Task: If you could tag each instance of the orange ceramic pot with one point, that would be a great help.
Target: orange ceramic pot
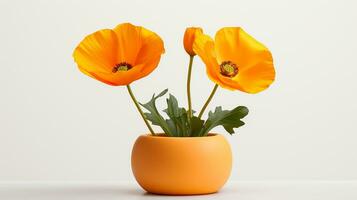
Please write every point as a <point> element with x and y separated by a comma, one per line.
<point>181,165</point>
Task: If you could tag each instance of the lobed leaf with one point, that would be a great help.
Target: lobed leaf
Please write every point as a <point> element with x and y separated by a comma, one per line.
<point>178,117</point>
<point>180,125</point>
<point>154,115</point>
<point>228,119</point>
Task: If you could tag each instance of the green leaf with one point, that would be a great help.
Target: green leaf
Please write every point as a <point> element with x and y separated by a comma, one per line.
<point>154,115</point>
<point>172,127</point>
<point>178,117</point>
<point>180,125</point>
<point>196,126</point>
<point>179,120</point>
<point>228,119</point>
<point>151,117</point>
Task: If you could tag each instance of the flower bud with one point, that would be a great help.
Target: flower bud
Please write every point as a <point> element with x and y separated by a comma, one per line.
<point>189,37</point>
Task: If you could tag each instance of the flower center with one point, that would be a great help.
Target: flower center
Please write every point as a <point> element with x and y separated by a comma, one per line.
<point>122,67</point>
<point>229,69</point>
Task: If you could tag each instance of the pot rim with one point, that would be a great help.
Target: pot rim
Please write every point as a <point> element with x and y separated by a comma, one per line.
<point>162,136</point>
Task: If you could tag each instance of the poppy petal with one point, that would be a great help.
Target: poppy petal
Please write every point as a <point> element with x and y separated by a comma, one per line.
<point>97,51</point>
<point>147,67</point>
<point>150,52</point>
<point>234,44</point>
<point>203,46</point>
<point>98,75</point>
<point>129,40</point>
<point>254,61</point>
<point>115,79</point>
<point>228,83</point>
<point>258,76</point>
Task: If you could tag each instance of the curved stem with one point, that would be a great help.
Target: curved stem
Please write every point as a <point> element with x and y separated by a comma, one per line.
<point>189,87</point>
<point>139,109</point>
<point>208,100</point>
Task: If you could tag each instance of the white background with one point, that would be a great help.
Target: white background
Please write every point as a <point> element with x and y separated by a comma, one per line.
<point>57,124</point>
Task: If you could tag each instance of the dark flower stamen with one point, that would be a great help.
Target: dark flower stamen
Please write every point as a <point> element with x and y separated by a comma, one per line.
<point>124,66</point>
<point>229,69</point>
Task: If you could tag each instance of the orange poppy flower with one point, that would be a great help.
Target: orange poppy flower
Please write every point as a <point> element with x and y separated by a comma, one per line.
<point>235,60</point>
<point>190,34</point>
<point>119,56</point>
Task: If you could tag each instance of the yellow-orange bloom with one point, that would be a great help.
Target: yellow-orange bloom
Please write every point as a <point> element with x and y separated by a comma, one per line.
<point>190,34</point>
<point>235,60</point>
<point>119,56</point>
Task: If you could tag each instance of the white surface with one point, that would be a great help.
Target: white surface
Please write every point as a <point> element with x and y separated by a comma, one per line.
<point>58,124</point>
<point>255,190</point>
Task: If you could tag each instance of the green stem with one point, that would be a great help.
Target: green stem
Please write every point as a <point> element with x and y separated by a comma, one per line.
<point>189,87</point>
<point>139,109</point>
<point>208,100</point>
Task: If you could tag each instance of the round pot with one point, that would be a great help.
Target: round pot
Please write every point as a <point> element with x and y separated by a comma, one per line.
<point>181,165</point>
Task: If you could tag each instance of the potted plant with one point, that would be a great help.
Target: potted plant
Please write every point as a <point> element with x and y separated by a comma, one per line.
<point>187,157</point>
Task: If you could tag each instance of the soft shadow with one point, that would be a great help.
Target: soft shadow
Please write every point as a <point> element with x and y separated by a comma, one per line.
<point>88,192</point>
<point>69,192</point>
